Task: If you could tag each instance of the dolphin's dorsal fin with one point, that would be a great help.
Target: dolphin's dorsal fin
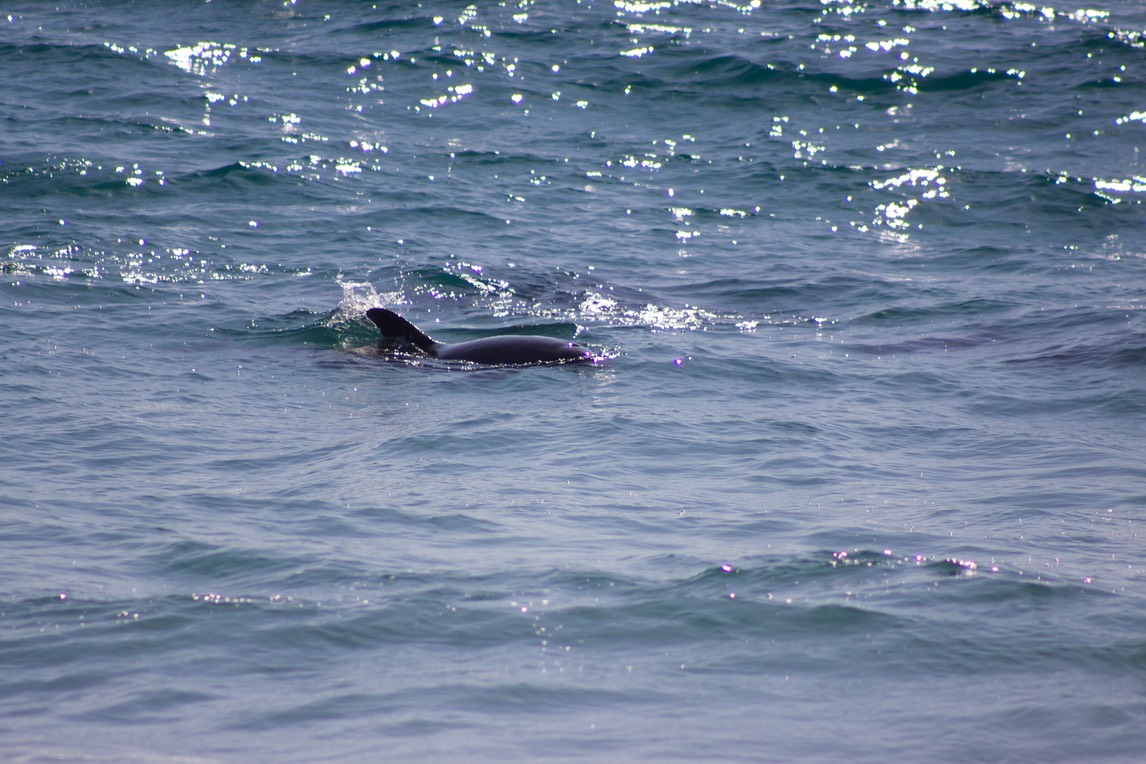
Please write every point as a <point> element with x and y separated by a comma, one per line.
<point>395,327</point>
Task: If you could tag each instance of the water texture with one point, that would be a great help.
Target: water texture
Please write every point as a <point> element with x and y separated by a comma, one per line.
<point>861,478</point>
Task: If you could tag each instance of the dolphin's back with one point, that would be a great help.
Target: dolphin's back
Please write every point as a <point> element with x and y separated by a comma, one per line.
<point>514,350</point>
<point>504,350</point>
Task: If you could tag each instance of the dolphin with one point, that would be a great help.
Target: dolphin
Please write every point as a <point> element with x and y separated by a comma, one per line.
<point>504,350</point>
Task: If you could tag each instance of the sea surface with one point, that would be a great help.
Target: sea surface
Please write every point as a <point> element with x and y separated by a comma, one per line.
<point>860,475</point>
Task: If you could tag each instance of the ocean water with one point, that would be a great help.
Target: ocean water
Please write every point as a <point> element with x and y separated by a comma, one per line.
<point>862,476</point>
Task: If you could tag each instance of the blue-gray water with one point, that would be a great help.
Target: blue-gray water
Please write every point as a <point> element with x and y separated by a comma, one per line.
<point>863,478</point>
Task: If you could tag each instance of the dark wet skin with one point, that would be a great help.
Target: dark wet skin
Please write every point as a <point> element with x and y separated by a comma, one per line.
<point>504,350</point>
